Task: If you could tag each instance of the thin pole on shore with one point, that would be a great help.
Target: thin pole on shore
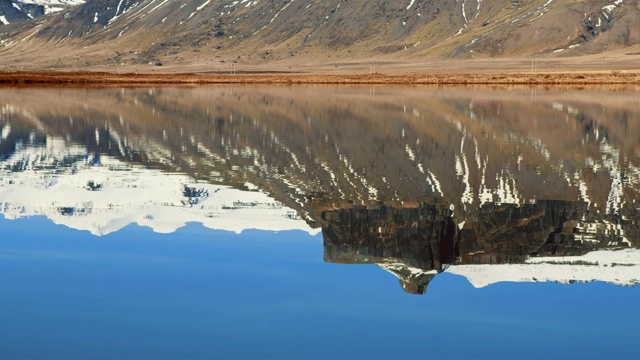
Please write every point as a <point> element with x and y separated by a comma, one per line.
<point>534,65</point>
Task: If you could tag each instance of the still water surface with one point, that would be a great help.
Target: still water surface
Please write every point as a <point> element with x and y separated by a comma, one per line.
<point>304,222</point>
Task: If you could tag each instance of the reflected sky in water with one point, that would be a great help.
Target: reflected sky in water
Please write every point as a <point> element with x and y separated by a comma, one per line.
<point>202,294</point>
<point>230,222</point>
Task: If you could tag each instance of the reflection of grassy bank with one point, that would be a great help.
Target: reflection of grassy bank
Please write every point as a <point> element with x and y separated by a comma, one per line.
<point>94,78</point>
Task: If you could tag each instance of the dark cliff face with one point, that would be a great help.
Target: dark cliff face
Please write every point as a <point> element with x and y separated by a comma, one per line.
<point>507,233</point>
<point>421,236</point>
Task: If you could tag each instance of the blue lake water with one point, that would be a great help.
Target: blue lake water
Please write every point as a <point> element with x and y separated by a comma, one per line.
<point>135,228</point>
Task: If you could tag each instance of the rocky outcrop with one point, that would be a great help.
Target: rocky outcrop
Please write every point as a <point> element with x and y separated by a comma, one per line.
<point>508,233</point>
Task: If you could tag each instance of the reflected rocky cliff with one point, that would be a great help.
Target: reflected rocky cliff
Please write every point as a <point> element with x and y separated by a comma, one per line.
<point>412,179</point>
<point>413,242</point>
<point>416,241</point>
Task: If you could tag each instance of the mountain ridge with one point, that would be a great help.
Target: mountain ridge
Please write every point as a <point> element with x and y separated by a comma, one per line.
<point>289,32</point>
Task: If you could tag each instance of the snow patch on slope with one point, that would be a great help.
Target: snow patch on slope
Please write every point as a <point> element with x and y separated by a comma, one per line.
<point>52,6</point>
<point>54,2</point>
<point>620,267</point>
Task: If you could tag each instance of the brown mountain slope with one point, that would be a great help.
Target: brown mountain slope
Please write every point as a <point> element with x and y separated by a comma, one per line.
<point>213,34</point>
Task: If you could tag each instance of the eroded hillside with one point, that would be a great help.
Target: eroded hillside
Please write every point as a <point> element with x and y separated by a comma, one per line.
<point>214,33</point>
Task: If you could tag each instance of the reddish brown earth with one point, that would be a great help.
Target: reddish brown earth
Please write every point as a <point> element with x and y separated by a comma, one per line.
<point>26,78</point>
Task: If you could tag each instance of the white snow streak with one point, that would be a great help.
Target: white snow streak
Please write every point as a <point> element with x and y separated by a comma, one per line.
<point>618,267</point>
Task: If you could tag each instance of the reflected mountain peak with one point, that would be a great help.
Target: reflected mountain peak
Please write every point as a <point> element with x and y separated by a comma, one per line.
<point>413,280</point>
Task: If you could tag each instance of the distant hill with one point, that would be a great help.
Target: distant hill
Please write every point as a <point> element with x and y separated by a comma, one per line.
<point>39,32</point>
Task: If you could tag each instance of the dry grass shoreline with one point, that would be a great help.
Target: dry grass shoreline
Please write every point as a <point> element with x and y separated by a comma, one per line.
<point>35,78</point>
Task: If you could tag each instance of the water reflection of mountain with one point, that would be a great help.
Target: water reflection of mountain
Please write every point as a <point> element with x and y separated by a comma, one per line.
<point>557,172</point>
<point>103,195</point>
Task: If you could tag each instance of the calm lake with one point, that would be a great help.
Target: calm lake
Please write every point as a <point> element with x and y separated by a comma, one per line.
<point>319,222</point>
